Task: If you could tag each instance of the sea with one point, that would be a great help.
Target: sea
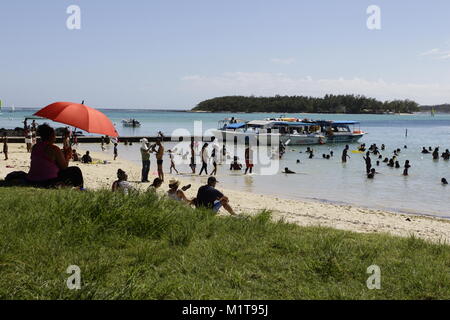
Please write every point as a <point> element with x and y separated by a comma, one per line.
<point>316,179</point>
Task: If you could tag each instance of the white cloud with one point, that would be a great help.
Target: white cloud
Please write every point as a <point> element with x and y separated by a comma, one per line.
<point>446,56</point>
<point>269,84</point>
<point>283,61</point>
<point>430,52</point>
<point>437,53</point>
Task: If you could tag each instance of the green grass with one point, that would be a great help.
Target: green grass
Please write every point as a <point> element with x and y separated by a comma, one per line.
<point>143,247</point>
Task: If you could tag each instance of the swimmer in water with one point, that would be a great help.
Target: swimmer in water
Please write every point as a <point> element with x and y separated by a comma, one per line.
<point>371,174</point>
<point>444,181</point>
<point>391,163</point>
<point>287,171</point>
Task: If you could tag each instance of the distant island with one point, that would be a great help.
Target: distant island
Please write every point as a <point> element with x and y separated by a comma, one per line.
<point>301,104</point>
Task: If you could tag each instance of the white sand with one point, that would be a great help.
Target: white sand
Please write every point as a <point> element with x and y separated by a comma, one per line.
<point>303,213</point>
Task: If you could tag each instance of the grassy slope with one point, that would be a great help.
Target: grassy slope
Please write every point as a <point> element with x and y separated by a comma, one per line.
<point>145,248</point>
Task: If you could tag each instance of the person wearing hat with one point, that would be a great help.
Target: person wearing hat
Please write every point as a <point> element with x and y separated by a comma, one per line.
<point>209,197</point>
<point>145,154</point>
<point>175,193</point>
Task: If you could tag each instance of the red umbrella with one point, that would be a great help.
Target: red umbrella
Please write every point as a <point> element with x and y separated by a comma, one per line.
<point>79,116</point>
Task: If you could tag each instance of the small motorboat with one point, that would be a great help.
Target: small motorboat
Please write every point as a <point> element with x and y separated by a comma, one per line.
<point>132,123</point>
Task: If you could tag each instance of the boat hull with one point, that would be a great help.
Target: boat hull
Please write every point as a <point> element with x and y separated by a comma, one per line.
<point>302,140</point>
<point>294,140</point>
<point>344,138</point>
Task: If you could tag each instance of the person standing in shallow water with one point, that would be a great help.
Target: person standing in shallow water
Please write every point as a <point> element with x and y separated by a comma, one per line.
<point>368,162</point>
<point>345,154</point>
<point>436,154</point>
<point>248,160</point>
<point>407,166</point>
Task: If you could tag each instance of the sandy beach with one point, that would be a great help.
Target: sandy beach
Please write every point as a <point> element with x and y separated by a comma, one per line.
<point>304,213</point>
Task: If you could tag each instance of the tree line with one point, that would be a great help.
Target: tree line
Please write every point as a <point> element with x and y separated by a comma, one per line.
<point>302,104</point>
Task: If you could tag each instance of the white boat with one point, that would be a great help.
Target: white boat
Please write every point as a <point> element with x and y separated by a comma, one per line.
<point>287,132</point>
<point>341,131</point>
<point>133,123</point>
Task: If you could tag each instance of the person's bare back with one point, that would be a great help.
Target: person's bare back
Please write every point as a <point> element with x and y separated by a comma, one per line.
<point>160,153</point>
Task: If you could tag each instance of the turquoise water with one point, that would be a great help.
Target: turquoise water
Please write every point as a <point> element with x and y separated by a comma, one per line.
<point>328,180</point>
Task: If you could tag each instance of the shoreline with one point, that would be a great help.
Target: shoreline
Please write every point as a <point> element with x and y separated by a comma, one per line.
<point>306,212</point>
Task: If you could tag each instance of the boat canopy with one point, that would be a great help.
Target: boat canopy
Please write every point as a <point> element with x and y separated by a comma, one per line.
<point>235,125</point>
<point>258,123</point>
<point>343,123</point>
<point>294,124</point>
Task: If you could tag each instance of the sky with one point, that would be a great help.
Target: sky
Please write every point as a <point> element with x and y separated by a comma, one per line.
<point>167,54</point>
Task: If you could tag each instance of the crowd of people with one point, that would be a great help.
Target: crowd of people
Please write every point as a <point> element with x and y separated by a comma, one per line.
<point>50,167</point>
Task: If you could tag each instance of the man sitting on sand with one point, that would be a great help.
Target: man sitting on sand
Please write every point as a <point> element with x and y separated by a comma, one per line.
<point>211,198</point>
<point>86,158</point>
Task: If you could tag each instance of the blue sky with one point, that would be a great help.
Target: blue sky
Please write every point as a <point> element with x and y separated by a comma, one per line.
<point>174,54</point>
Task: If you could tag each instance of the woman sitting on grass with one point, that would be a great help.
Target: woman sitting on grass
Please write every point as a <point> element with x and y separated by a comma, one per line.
<point>122,185</point>
<point>49,167</point>
<point>175,193</point>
